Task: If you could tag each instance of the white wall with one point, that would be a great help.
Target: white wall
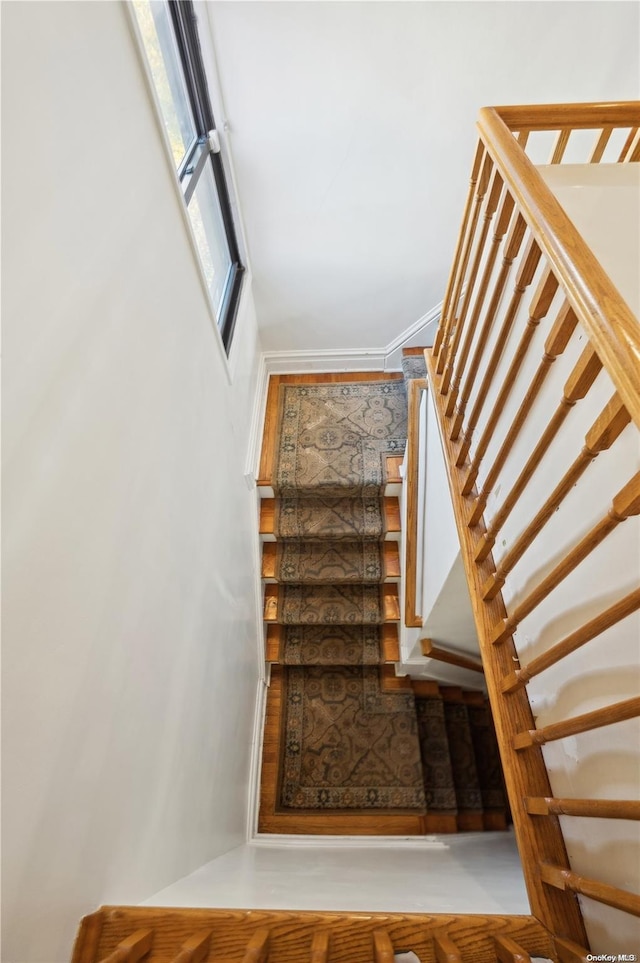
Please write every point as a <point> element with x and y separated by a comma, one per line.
<point>352,128</point>
<point>129,662</point>
<point>475,873</point>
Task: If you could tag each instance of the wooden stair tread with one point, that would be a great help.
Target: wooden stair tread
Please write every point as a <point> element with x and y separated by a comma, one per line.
<point>390,512</point>
<point>390,557</point>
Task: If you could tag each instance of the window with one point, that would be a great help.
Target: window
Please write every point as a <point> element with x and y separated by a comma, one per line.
<point>169,34</point>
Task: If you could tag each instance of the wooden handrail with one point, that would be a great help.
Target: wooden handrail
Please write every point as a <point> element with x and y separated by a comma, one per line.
<point>581,116</point>
<point>593,808</point>
<point>565,879</point>
<point>411,616</point>
<point>607,716</point>
<point>611,325</point>
<point>431,651</point>
<point>590,630</point>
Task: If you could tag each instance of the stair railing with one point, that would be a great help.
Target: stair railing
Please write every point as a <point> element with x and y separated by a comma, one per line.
<point>506,424</point>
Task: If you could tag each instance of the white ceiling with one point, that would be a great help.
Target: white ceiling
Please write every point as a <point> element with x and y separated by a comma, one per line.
<point>351,127</point>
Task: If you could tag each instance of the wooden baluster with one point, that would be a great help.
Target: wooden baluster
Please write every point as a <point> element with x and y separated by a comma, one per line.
<point>625,504</point>
<point>540,305</point>
<point>608,716</point>
<point>628,145</point>
<point>431,651</point>
<point>446,950</point>
<point>602,434</point>
<point>131,949</point>
<point>320,947</point>
<point>195,949</point>
<point>461,327</point>
<point>590,630</point>
<point>523,280</point>
<point>512,248</point>
<point>565,879</point>
<point>382,947</point>
<point>450,344</point>
<point>560,145</point>
<point>85,947</point>
<point>257,950</point>
<point>569,952</point>
<point>448,308</point>
<point>633,155</point>
<point>600,145</point>
<point>522,138</point>
<point>591,808</point>
<point>508,951</point>
<point>576,387</point>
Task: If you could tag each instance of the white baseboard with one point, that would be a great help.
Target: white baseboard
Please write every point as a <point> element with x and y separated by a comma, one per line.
<point>255,760</point>
<point>282,840</point>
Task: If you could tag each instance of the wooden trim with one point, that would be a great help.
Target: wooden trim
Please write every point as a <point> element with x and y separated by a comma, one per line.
<point>537,839</point>
<point>270,430</point>
<point>316,822</point>
<point>390,514</point>
<point>611,326</point>
<point>584,116</point>
<point>131,948</point>
<point>411,617</point>
<point>431,651</point>
<point>85,947</point>
<point>508,951</point>
<point>195,949</point>
<point>297,937</point>
<point>607,716</point>
<point>389,642</point>
<point>389,552</point>
<point>592,808</point>
<point>569,952</point>
<point>568,881</point>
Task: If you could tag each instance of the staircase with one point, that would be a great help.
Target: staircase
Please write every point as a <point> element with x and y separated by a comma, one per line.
<point>127,934</point>
<point>345,738</point>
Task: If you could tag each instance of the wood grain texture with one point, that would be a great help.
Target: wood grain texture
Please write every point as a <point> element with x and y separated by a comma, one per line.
<point>195,949</point>
<point>293,935</point>
<point>432,651</point>
<point>132,948</point>
<point>625,504</point>
<point>611,326</point>
<point>412,548</point>
<point>585,633</point>
<point>85,947</point>
<point>444,328</point>
<point>445,949</point>
<point>508,951</point>
<point>557,910</point>
<point>607,716</point>
<point>592,808</point>
<point>584,116</point>
<point>569,952</point>
<point>568,881</point>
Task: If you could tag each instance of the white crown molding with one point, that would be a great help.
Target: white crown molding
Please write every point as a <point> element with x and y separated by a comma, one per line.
<point>387,358</point>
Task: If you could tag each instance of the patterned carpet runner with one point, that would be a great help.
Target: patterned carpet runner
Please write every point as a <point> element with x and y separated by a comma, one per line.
<point>350,744</point>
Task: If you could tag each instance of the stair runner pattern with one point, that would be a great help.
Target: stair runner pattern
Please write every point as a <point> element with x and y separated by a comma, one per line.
<point>348,743</point>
